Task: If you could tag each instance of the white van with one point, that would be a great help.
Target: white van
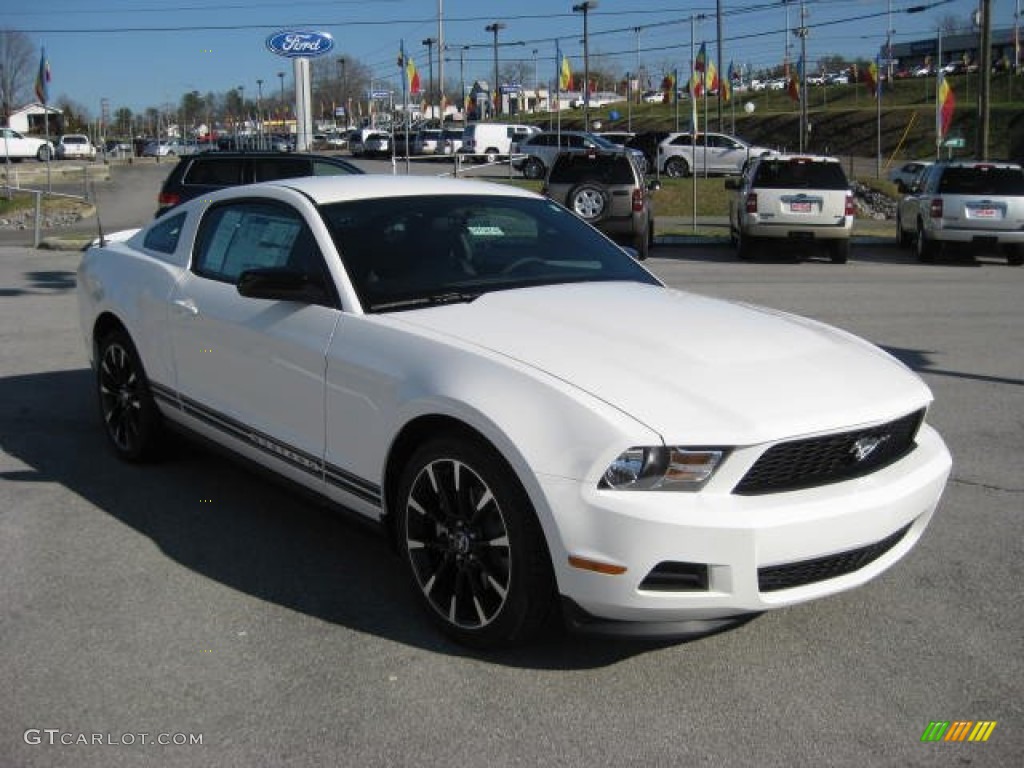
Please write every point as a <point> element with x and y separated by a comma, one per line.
<point>491,141</point>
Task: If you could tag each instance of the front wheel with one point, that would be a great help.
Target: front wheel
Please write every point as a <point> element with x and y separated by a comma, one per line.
<point>472,544</point>
<point>43,154</point>
<point>677,168</point>
<point>533,169</point>
<point>130,415</point>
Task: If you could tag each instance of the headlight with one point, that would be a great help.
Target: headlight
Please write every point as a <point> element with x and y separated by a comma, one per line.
<point>662,468</point>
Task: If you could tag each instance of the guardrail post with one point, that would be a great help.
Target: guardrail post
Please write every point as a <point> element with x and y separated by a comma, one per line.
<point>85,182</point>
<point>39,219</point>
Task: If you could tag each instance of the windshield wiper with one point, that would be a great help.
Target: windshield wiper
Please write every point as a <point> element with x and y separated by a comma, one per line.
<point>433,300</point>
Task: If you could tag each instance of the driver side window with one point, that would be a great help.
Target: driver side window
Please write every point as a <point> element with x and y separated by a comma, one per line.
<point>253,234</point>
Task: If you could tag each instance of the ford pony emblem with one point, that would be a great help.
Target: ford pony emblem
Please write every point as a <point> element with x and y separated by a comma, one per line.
<point>866,446</point>
<point>300,43</point>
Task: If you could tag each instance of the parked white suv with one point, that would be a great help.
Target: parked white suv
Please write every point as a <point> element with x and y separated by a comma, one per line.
<point>681,154</point>
<point>792,198</point>
<point>976,205</point>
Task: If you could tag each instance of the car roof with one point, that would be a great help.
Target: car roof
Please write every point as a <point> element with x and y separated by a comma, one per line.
<point>804,157</point>
<point>967,163</point>
<point>335,189</point>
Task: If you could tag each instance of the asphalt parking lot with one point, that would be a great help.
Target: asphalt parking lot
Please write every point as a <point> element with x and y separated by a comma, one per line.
<point>195,598</point>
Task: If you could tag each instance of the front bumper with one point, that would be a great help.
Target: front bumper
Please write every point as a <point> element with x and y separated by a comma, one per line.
<point>742,541</point>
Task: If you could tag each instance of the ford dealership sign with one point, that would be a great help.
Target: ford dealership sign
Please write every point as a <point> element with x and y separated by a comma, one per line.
<point>295,43</point>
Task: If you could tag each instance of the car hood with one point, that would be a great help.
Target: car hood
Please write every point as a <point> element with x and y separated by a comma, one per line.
<point>689,367</point>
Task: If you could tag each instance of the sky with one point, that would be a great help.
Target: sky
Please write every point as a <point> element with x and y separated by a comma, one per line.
<point>145,53</point>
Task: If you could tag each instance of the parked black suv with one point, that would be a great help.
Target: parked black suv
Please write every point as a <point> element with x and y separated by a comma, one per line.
<point>609,191</point>
<point>197,175</point>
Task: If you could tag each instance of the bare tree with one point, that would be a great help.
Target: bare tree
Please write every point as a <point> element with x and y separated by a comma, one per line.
<point>16,51</point>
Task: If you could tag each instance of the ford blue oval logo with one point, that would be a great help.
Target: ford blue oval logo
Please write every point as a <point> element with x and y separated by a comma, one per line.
<point>295,43</point>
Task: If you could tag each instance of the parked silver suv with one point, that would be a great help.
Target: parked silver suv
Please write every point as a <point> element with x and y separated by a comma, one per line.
<point>799,199</point>
<point>609,191</point>
<point>965,203</point>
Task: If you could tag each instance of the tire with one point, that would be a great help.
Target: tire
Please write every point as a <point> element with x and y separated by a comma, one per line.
<point>839,251</point>
<point>925,249</point>
<point>43,155</point>
<point>589,201</point>
<point>677,168</point>
<point>744,246</point>
<point>903,239</point>
<point>642,242</point>
<point>533,168</point>
<point>491,156</point>
<point>472,544</point>
<point>1015,255</point>
<point>130,417</point>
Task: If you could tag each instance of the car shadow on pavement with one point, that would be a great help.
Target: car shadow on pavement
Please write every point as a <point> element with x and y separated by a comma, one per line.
<point>232,525</point>
<point>46,281</point>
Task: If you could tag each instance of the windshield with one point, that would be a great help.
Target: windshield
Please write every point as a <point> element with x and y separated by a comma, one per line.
<point>601,141</point>
<point>409,252</point>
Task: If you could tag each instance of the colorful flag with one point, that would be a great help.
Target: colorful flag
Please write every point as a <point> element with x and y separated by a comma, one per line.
<point>412,76</point>
<point>871,78</point>
<point>696,86</point>
<point>43,79</point>
<point>947,103</point>
<point>668,86</point>
<point>712,77</point>
<point>700,63</point>
<point>730,75</point>
<point>565,75</point>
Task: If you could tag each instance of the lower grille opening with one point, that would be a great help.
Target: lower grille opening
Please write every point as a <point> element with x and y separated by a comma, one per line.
<point>776,577</point>
<point>669,576</point>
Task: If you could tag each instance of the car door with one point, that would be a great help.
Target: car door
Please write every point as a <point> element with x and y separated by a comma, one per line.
<point>725,154</point>
<point>254,368</point>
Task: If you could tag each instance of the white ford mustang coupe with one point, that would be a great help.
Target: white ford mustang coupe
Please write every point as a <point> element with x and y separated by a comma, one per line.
<point>542,427</point>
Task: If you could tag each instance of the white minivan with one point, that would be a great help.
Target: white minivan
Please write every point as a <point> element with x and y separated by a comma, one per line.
<point>491,141</point>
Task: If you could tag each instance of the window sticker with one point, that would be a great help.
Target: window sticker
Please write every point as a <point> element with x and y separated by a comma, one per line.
<point>485,231</point>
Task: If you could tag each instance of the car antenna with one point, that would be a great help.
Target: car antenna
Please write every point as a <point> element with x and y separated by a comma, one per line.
<point>99,223</point>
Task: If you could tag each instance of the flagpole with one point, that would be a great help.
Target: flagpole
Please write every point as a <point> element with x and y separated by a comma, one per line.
<point>704,93</point>
<point>878,119</point>
<point>938,106</point>
<point>558,91</point>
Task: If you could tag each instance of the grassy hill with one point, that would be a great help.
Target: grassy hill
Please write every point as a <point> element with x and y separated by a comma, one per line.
<point>844,118</point>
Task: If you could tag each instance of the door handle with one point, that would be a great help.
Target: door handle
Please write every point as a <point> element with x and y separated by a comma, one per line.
<point>186,307</point>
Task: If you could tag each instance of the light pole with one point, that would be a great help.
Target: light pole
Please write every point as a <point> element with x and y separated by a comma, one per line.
<point>536,84</point>
<point>585,9</point>
<point>241,103</point>
<point>802,34</point>
<point>495,28</point>
<point>259,110</point>
<point>344,90</point>
<point>429,42</point>
<point>284,111</point>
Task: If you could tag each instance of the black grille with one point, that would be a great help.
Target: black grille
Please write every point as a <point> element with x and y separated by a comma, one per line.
<point>791,575</point>
<point>830,459</point>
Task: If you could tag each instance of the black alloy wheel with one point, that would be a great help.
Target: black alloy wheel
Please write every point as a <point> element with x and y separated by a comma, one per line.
<point>473,545</point>
<point>130,416</point>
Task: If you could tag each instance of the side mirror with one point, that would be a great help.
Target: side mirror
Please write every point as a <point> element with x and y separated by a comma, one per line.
<point>281,284</point>
<point>653,185</point>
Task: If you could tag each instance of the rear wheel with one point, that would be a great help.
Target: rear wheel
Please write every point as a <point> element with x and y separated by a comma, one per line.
<point>839,251</point>
<point>1015,255</point>
<point>744,246</point>
<point>677,167</point>
<point>642,242</point>
<point>491,155</point>
<point>924,247</point>
<point>904,239</point>
<point>43,154</point>
<point>472,544</point>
